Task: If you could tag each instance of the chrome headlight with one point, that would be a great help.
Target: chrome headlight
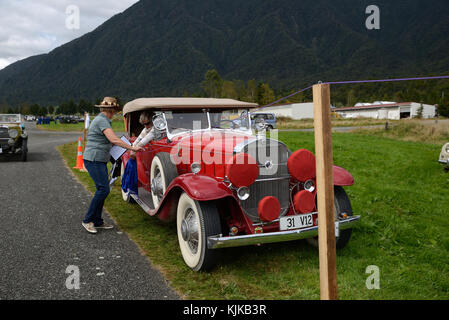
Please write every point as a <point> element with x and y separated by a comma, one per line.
<point>13,133</point>
<point>243,193</point>
<point>447,148</point>
<point>195,167</point>
<point>24,135</point>
<point>159,123</point>
<point>309,185</point>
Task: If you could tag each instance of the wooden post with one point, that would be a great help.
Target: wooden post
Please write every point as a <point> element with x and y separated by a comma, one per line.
<point>325,192</point>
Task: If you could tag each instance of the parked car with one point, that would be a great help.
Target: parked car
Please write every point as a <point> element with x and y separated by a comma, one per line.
<point>13,135</point>
<point>444,156</point>
<point>68,119</point>
<point>225,185</point>
<point>268,118</point>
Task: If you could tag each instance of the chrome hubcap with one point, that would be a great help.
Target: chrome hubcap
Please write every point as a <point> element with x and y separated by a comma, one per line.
<point>156,184</point>
<point>189,230</point>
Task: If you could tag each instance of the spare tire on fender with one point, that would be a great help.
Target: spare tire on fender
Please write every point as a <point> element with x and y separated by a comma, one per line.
<point>163,171</point>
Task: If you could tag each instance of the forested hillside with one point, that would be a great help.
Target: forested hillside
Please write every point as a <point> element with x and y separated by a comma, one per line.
<point>165,48</point>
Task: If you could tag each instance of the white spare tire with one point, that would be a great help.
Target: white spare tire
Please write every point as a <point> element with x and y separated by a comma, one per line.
<point>162,173</point>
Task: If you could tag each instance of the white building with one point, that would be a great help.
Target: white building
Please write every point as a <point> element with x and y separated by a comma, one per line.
<point>295,111</point>
<point>387,110</point>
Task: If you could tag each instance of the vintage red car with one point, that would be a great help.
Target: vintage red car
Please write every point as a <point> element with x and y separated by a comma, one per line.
<point>223,184</point>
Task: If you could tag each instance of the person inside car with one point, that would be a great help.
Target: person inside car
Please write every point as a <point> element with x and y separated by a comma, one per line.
<point>148,133</point>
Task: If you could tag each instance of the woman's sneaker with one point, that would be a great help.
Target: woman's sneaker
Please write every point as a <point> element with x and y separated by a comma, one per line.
<point>105,226</point>
<point>89,227</point>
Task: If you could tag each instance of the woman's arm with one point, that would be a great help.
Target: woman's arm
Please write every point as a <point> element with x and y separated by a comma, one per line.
<point>109,133</point>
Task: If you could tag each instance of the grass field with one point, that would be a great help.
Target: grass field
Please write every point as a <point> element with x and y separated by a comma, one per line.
<point>402,194</point>
<point>117,125</point>
<point>430,131</point>
<point>289,123</point>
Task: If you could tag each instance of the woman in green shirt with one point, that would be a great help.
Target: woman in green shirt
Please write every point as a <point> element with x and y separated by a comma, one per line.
<point>100,139</point>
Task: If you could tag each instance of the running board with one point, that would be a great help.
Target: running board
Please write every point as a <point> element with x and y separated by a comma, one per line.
<point>144,200</point>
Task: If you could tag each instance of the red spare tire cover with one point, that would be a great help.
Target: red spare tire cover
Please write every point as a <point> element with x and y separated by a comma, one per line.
<point>302,165</point>
<point>269,209</point>
<point>242,170</point>
<point>304,202</point>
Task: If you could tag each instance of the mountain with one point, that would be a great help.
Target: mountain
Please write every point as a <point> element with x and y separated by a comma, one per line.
<point>164,48</point>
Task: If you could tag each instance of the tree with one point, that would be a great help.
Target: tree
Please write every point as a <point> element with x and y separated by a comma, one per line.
<point>43,111</point>
<point>212,84</point>
<point>25,109</point>
<point>34,109</point>
<point>228,90</point>
<point>265,94</point>
<point>252,91</point>
<point>240,89</point>
<point>351,101</point>
<point>51,110</point>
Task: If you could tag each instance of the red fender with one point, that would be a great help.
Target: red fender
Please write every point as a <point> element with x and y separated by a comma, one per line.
<point>342,177</point>
<point>198,187</point>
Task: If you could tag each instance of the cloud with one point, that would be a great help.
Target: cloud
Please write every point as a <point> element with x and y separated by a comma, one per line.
<point>31,27</point>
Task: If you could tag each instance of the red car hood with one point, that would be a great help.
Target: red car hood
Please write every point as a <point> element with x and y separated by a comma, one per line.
<point>215,140</point>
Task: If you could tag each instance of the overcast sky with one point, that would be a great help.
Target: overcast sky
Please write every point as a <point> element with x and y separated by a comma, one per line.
<point>31,27</point>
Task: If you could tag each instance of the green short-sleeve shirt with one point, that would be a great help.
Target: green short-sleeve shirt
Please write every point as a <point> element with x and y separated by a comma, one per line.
<point>98,146</point>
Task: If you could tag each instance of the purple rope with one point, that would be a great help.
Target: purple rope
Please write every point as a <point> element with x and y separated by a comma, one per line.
<point>284,98</point>
<point>356,81</point>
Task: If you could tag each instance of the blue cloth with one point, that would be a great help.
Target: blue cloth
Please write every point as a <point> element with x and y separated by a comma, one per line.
<point>129,179</point>
<point>98,171</point>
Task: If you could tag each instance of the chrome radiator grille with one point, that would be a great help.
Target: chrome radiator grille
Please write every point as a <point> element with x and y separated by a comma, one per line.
<point>273,180</point>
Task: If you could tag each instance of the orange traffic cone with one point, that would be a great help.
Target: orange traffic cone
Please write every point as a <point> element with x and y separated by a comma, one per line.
<point>79,158</point>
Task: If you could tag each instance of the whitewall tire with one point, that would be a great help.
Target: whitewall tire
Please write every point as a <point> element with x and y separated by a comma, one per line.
<point>195,222</point>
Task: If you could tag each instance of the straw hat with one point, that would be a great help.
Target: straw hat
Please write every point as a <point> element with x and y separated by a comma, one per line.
<point>108,102</point>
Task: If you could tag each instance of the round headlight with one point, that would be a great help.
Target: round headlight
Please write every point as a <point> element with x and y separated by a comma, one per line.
<point>309,185</point>
<point>159,123</point>
<point>13,133</point>
<point>243,193</point>
<point>195,167</point>
<point>447,148</point>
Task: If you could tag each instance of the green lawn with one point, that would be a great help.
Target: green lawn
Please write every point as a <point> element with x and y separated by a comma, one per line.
<point>402,194</point>
<point>117,125</point>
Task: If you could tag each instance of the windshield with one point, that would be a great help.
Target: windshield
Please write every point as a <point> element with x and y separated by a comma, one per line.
<point>230,119</point>
<point>10,118</point>
<point>178,121</point>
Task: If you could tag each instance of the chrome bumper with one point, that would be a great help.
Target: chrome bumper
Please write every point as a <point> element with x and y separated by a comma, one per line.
<point>218,242</point>
<point>444,162</point>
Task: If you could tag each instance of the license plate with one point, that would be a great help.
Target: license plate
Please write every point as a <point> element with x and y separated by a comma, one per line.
<point>296,222</point>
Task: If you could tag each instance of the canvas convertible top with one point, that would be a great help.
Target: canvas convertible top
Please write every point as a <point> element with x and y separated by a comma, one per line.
<point>184,103</point>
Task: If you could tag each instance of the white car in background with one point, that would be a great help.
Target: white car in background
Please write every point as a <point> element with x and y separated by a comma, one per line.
<point>444,156</point>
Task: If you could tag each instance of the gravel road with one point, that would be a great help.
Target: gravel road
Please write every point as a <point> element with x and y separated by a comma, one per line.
<point>42,242</point>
